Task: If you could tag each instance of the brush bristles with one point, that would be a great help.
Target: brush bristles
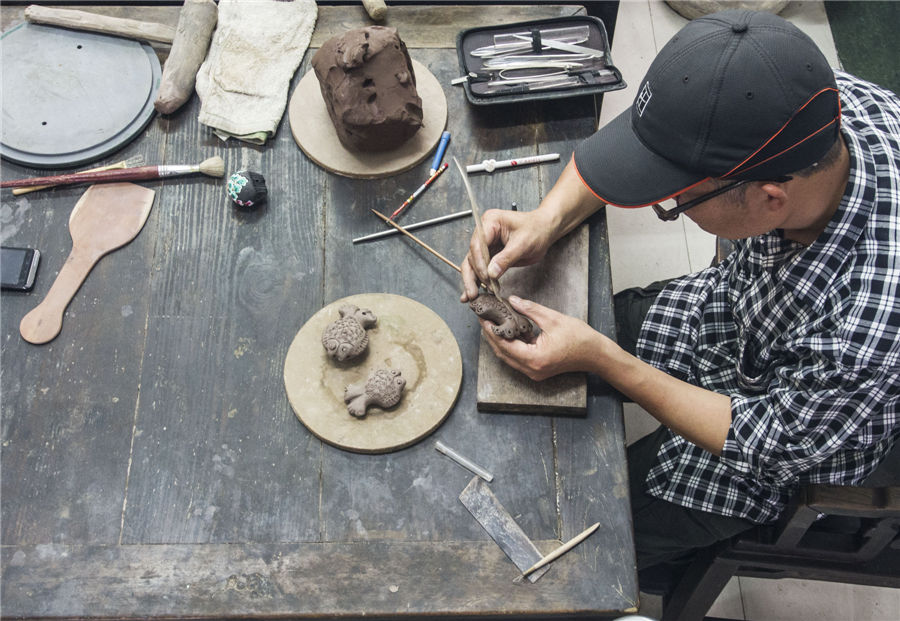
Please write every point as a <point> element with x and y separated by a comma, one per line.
<point>214,167</point>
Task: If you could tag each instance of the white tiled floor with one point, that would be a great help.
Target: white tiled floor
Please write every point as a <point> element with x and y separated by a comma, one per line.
<point>644,249</point>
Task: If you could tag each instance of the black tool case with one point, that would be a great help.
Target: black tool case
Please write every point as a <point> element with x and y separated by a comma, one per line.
<point>485,87</point>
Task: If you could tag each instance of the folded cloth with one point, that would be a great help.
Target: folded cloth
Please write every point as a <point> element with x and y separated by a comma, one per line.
<point>257,47</point>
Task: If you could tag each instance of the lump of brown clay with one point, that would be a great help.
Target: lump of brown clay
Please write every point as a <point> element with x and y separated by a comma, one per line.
<point>367,81</point>
<point>508,324</point>
<point>346,338</point>
<point>383,388</point>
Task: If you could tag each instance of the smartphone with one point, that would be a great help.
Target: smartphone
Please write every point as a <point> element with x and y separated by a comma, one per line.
<point>18,267</point>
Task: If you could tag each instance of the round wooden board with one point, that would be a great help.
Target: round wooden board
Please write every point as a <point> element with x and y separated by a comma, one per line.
<point>315,134</point>
<point>409,337</point>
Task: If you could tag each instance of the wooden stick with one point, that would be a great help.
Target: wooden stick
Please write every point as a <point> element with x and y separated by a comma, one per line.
<point>571,543</point>
<point>417,240</point>
<point>34,188</point>
<point>94,22</point>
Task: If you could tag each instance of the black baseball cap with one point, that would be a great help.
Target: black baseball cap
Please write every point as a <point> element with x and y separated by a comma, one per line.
<point>734,95</point>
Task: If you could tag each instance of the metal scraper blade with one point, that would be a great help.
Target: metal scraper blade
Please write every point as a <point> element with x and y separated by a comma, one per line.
<point>484,507</point>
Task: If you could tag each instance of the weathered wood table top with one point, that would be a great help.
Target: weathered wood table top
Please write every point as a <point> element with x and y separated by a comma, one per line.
<point>152,465</point>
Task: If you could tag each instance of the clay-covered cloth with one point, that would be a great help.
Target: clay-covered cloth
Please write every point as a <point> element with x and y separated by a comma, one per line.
<point>257,47</point>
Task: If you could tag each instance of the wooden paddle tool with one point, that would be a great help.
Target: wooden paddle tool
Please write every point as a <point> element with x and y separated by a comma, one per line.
<point>106,217</point>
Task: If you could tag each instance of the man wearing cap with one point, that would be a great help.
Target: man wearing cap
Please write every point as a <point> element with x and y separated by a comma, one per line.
<point>780,366</point>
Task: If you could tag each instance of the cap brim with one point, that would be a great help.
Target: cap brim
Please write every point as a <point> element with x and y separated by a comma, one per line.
<point>621,171</point>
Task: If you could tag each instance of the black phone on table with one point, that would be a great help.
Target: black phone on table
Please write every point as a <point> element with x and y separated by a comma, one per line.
<point>18,267</point>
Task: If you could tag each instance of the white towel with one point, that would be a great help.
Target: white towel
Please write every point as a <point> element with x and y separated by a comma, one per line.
<point>257,47</point>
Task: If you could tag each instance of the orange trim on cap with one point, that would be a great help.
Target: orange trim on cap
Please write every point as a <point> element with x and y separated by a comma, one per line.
<point>673,195</point>
<point>775,135</point>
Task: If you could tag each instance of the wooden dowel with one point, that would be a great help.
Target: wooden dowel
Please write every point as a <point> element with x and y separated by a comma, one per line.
<point>417,240</point>
<point>574,541</point>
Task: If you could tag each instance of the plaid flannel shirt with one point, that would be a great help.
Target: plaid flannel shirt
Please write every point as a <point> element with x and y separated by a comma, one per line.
<point>804,339</point>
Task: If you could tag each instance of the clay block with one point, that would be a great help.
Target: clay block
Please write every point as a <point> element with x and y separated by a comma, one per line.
<point>369,87</point>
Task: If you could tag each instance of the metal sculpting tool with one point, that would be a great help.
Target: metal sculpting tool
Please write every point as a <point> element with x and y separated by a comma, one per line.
<point>414,226</point>
<point>484,507</point>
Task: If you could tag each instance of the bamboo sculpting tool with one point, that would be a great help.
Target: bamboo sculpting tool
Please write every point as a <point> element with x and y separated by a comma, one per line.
<point>212,167</point>
<point>493,285</point>
<point>105,218</point>
<point>571,543</point>
<point>400,229</point>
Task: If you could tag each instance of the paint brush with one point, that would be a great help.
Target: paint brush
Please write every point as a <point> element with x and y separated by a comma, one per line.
<point>213,167</point>
<point>135,160</point>
<point>417,240</point>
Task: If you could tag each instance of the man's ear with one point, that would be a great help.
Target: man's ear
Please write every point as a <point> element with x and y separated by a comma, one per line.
<point>776,195</point>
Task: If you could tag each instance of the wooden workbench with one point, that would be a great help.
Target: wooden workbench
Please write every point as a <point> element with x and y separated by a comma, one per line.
<point>152,466</point>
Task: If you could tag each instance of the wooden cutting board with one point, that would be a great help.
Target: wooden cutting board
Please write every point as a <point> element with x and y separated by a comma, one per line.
<point>105,218</point>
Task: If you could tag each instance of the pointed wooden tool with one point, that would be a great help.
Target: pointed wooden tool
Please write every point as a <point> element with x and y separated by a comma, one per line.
<point>106,217</point>
<point>493,285</point>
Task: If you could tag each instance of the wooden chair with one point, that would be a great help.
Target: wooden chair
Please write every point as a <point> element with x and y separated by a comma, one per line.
<point>832,533</point>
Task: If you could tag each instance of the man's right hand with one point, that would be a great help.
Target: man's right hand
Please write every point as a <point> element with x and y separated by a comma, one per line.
<point>513,238</point>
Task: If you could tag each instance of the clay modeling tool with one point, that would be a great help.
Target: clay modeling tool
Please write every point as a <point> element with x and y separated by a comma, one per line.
<point>465,462</point>
<point>82,20</point>
<point>213,167</point>
<point>106,217</point>
<point>414,226</point>
<point>571,543</point>
<point>493,285</point>
<point>131,161</point>
<point>418,192</point>
<point>484,507</point>
<point>196,23</point>
<point>439,154</point>
<point>492,165</point>
<point>417,240</point>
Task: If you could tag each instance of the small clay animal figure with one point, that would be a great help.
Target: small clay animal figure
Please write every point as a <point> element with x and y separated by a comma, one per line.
<point>383,388</point>
<point>346,338</point>
<point>508,323</point>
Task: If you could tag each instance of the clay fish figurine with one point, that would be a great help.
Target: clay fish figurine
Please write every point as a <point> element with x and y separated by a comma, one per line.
<point>346,338</point>
<point>508,324</point>
<point>383,388</point>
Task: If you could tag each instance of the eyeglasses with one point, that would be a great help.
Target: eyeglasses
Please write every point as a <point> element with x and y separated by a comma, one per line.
<point>668,215</point>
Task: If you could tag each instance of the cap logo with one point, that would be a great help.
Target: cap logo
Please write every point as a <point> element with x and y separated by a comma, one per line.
<point>643,99</point>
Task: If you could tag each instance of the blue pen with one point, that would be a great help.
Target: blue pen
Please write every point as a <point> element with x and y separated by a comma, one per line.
<point>439,154</point>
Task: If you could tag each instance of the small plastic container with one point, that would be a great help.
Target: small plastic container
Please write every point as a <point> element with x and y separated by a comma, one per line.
<point>585,69</point>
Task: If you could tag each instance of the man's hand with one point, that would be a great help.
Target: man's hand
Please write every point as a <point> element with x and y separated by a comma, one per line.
<point>564,344</point>
<point>513,238</point>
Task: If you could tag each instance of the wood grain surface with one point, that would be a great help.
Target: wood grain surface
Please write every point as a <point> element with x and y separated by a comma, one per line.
<point>152,465</point>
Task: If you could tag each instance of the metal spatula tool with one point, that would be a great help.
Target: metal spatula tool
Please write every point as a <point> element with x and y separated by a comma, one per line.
<point>499,524</point>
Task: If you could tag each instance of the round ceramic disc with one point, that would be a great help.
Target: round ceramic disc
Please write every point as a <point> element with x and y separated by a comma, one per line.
<point>408,336</point>
<point>315,133</point>
<point>71,97</point>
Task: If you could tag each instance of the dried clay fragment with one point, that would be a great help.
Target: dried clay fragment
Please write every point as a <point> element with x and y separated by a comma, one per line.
<point>346,338</point>
<point>383,388</point>
<point>508,324</point>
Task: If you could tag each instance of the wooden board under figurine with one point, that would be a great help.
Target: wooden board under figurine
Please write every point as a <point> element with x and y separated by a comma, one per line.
<point>315,134</point>
<point>407,336</point>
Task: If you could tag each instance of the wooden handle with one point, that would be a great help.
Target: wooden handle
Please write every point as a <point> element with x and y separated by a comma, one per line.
<point>82,20</point>
<point>376,9</point>
<point>140,173</point>
<point>44,322</point>
<point>196,23</point>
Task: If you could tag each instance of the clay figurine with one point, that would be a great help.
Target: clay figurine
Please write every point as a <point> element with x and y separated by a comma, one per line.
<point>246,188</point>
<point>346,338</point>
<point>508,323</point>
<point>383,388</point>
